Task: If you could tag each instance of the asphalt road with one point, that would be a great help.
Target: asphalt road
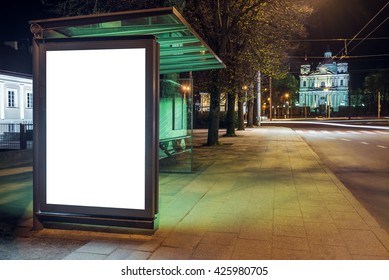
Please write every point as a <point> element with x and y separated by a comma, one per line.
<point>358,153</point>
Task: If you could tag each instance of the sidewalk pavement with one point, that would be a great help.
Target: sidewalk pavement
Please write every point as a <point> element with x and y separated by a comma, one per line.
<point>261,195</point>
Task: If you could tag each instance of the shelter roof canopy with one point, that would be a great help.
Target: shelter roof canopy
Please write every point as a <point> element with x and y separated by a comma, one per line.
<point>181,48</point>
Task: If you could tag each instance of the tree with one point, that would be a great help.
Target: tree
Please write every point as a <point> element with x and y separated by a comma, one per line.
<point>289,84</point>
<point>377,85</point>
<point>285,91</point>
<point>249,36</point>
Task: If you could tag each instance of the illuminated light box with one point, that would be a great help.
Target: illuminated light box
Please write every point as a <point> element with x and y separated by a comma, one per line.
<point>96,125</point>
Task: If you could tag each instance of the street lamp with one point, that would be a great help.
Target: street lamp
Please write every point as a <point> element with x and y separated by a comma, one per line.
<point>185,90</point>
<point>328,109</point>
<point>289,104</point>
<point>245,109</point>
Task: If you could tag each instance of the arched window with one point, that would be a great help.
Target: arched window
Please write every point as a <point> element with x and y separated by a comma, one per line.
<point>323,84</point>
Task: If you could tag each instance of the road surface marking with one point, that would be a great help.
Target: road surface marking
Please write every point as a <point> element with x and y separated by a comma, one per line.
<point>353,132</point>
<point>332,138</point>
<point>383,147</point>
<point>340,132</point>
<point>381,132</point>
<point>367,132</point>
<point>325,131</point>
<point>299,131</point>
<point>344,139</point>
<point>312,131</point>
<point>364,143</point>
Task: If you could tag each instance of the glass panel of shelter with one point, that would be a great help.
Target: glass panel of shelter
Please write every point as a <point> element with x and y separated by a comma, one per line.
<point>175,131</point>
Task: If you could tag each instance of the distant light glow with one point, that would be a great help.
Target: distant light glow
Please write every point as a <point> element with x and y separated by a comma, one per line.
<point>330,123</point>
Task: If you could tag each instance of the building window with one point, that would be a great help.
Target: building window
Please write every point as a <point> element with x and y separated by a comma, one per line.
<point>11,99</point>
<point>341,82</point>
<point>304,84</point>
<point>29,100</point>
<point>323,84</point>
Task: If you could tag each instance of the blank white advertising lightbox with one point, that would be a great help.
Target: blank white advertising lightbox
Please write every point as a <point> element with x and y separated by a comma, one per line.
<point>95,128</point>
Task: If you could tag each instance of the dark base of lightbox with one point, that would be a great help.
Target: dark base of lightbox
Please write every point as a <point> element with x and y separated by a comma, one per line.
<point>103,224</point>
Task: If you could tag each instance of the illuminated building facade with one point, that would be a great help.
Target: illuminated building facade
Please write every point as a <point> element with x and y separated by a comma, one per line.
<point>16,99</point>
<point>326,87</point>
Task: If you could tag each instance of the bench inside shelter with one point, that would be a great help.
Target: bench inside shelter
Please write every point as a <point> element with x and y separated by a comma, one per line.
<point>170,147</point>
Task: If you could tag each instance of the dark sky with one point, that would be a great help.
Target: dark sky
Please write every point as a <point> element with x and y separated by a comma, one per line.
<point>345,18</point>
<point>14,17</point>
<point>333,19</point>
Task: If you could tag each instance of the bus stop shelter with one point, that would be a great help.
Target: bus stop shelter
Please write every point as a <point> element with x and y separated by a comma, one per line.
<point>111,106</point>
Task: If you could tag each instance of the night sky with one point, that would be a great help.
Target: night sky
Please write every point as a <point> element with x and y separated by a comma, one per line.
<point>14,17</point>
<point>333,19</point>
<point>336,19</point>
<point>343,19</point>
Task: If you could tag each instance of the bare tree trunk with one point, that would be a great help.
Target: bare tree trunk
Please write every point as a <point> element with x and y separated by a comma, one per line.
<point>231,114</point>
<point>240,113</point>
<point>214,113</point>
<point>250,112</point>
<point>255,112</point>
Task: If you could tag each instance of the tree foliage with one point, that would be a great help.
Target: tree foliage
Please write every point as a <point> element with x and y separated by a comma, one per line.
<point>86,7</point>
<point>374,84</point>
<point>287,85</point>
<point>249,36</point>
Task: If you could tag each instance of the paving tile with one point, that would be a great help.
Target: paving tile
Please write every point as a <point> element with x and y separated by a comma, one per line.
<point>368,257</point>
<point>288,254</point>
<point>257,230</point>
<point>182,240</point>
<point>324,233</point>
<point>247,249</point>
<point>366,216</point>
<point>226,223</point>
<point>288,220</point>
<point>286,202</point>
<point>259,210</point>
<point>98,247</point>
<point>32,248</point>
<point>132,244</point>
<point>125,254</point>
<point>119,254</point>
<point>219,238</point>
<point>289,230</point>
<point>339,207</point>
<point>288,212</point>
<point>310,201</point>
<point>328,252</point>
<point>316,214</point>
<point>170,253</point>
<point>139,255</point>
<point>150,246</point>
<point>292,243</point>
<point>382,235</point>
<point>84,256</point>
<point>206,251</point>
<point>348,220</point>
<point>363,242</point>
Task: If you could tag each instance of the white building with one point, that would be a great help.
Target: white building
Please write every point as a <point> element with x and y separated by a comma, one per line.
<point>325,87</point>
<point>16,98</point>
